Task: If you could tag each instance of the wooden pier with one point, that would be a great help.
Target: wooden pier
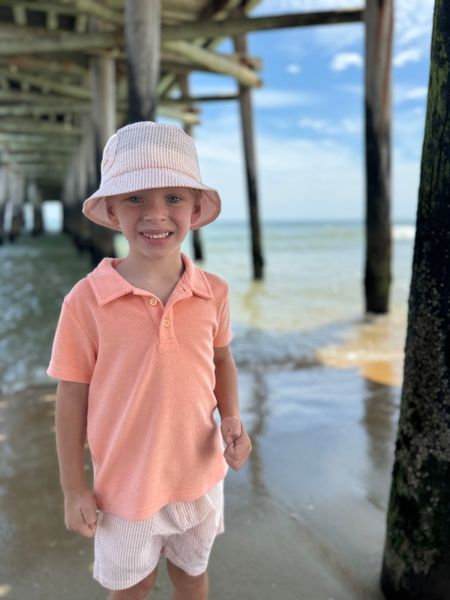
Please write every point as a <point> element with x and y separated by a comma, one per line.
<point>71,73</point>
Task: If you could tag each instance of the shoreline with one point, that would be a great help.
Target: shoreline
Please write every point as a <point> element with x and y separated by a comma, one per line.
<point>323,441</point>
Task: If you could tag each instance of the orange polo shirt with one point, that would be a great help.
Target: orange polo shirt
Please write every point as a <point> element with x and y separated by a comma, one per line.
<point>151,430</point>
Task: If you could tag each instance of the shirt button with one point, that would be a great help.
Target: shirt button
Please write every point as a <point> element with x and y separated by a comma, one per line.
<point>153,301</point>
<point>166,322</point>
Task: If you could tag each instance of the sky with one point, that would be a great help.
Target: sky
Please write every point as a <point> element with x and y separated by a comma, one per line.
<point>308,117</point>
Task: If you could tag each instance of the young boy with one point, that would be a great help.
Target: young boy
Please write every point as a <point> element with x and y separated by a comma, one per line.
<point>141,354</point>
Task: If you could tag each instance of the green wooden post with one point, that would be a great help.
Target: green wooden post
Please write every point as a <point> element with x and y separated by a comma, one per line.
<point>416,562</point>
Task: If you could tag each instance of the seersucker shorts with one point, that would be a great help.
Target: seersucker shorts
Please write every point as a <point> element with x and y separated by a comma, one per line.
<point>128,551</point>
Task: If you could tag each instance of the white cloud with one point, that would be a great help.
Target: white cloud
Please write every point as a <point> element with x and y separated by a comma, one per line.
<point>304,178</point>
<point>344,60</point>
<point>267,98</point>
<point>404,94</point>
<point>407,56</point>
<point>407,132</point>
<point>289,6</point>
<point>413,21</point>
<point>325,126</point>
<point>319,125</point>
<point>212,87</point>
<point>293,68</point>
<point>324,170</point>
<point>353,89</point>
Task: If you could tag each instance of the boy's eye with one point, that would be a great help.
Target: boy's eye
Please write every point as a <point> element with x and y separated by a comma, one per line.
<point>134,199</point>
<point>174,199</point>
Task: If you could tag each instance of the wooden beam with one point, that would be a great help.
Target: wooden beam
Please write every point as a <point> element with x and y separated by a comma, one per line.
<point>233,26</point>
<point>199,99</point>
<point>52,101</point>
<point>14,139</point>
<point>36,166</point>
<point>97,9</point>
<point>46,84</point>
<point>19,125</point>
<point>171,60</point>
<point>16,41</point>
<point>57,155</point>
<point>75,7</point>
<point>219,9</point>
<point>41,109</point>
<point>185,116</point>
<point>216,62</point>
<point>53,65</point>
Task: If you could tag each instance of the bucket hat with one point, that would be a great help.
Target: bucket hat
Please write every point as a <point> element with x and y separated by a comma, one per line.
<point>147,155</point>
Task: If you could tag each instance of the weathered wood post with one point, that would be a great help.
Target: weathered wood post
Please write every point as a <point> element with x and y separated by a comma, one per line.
<point>3,198</point>
<point>379,32</point>
<point>17,198</point>
<point>103,73</point>
<point>245,106</point>
<point>34,198</point>
<point>416,562</point>
<point>74,190</point>
<point>142,32</point>
<point>197,245</point>
<point>71,210</point>
<point>90,237</point>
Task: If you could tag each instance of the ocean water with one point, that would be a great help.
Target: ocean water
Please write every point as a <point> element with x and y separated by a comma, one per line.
<point>311,298</point>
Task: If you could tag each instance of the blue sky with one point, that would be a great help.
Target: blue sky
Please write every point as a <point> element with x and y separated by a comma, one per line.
<point>309,117</point>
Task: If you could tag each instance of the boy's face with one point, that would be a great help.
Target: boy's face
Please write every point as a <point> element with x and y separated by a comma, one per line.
<point>155,221</point>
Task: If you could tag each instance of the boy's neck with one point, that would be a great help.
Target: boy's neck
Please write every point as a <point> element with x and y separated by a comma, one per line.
<point>145,272</point>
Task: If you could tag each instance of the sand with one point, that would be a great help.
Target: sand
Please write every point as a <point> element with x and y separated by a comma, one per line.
<point>305,518</point>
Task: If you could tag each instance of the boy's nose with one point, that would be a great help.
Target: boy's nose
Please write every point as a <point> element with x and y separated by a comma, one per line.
<point>155,211</point>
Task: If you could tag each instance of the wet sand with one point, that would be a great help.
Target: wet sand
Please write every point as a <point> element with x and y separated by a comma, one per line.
<point>305,518</point>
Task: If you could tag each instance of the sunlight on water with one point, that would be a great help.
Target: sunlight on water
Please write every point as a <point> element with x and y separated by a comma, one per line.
<point>4,590</point>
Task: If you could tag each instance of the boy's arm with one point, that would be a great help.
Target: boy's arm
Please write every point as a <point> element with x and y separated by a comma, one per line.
<point>226,391</point>
<point>71,421</point>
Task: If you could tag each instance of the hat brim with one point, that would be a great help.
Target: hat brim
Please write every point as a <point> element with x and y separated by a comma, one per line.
<point>94,207</point>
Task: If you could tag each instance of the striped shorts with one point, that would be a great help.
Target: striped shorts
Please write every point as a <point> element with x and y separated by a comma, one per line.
<point>126,551</point>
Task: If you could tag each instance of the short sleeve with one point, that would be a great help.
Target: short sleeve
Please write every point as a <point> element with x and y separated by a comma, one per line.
<point>224,334</point>
<point>73,353</point>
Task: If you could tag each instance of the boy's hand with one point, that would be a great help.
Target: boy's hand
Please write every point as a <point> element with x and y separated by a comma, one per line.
<point>80,510</point>
<point>238,443</point>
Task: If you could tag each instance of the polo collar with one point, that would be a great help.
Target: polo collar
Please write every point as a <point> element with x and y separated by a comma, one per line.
<point>108,284</point>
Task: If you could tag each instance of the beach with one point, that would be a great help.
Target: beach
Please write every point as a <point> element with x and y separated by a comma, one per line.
<point>320,390</point>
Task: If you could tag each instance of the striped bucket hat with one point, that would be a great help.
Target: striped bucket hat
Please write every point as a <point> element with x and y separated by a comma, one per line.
<point>148,155</point>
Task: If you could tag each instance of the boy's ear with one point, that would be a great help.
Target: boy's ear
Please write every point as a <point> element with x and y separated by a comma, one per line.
<point>196,211</point>
<point>111,213</point>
